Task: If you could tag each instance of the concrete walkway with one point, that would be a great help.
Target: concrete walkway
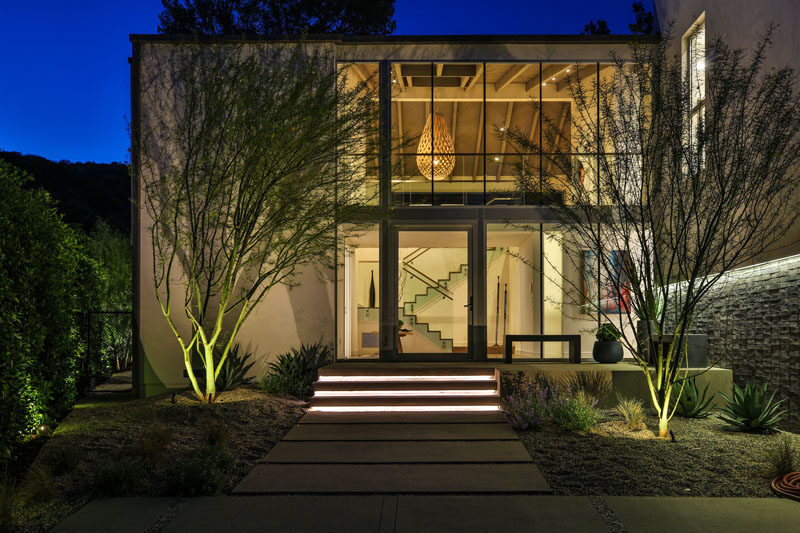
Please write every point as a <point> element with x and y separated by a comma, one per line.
<point>380,453</point>
<point>421,513</point>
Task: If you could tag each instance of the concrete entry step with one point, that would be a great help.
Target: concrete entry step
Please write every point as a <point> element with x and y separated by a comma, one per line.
<point>401,369</point>
<point>411,401</point>
<point>390,385</point>
<point>401,432</point>
<point>399,452</point>
<point>443,417</point>
<point>395,478</point>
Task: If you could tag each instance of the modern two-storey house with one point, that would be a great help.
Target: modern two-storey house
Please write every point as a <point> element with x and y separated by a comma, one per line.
<point>466,258</point>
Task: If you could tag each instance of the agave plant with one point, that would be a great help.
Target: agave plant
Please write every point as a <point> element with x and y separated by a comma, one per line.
<point>234,369</point>
<point>692,402</point>
<point>295,372</point>
<point>751,410</point>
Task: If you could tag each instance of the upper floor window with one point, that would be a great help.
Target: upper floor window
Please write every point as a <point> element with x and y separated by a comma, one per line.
<point>695,61</point>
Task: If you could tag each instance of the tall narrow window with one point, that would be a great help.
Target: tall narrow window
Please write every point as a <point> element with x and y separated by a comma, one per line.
<point>695,44</point>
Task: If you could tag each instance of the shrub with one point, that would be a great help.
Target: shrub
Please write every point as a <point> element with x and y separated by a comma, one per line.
<point>632,412</point>
<point>124,477</point>
<point>8,497</point>
<point>526,405</point>
<point>595,384</point>
<point>608,332</point>
<point>152,444</point>
<point>691,402</point>
<point>44,278</point>
<point>751,410</point>
<point>61,457</point>
<point>204,473</point>
<point>783,458</point>
<point>38,486</point>
<point>574,411</point>
<point>295,372</point>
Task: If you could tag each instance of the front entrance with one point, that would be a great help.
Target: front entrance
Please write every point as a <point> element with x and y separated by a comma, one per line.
<point>434,293</point>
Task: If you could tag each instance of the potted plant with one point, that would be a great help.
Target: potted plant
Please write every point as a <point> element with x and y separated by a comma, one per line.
<point>607,348</point>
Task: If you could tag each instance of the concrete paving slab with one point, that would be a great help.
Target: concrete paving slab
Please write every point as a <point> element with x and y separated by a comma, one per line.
<point>297,514</point>
<point>370,432</point>
<point>696,515</point>
<point>496,513</point>
<point>396,478</point>
<point>399,452</point>
<point>316,417</point>
<point>120,515</point>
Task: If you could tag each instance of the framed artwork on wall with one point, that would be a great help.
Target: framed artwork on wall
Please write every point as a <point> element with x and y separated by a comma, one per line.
<point>610,299</point>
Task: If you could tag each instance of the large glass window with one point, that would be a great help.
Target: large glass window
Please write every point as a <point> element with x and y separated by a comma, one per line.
<point>358,294</point>
<point>495,133</point>
<point>695,61</point>
<point>364,160</point>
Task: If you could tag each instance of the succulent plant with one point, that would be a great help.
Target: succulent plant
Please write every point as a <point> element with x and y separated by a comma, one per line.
<point>692,402</point>
<point>751,410</point>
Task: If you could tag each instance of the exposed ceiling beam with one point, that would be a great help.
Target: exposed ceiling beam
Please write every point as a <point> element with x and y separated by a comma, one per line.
<point>367,76</point>
<point>583,72</point>
<point>513,72</point>
<point>474,79</point>
<point>477,145</point>
<point>401,82</point>
<point>503,142</point>
<point>439,68</point>
<point>553,71</point>
<point>534,125</point>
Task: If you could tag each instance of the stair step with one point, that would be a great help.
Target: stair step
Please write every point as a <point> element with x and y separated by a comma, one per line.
<point>416,401</point>
<point>382,369</point>
<point>405,385</point>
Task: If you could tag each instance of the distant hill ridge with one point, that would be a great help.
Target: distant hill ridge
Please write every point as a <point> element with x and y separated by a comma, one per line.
<point>84,191</point>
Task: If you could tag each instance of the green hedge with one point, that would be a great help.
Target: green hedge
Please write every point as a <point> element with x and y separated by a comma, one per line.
<point>46,278</point>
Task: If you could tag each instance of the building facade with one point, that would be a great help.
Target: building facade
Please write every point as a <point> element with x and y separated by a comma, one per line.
<point>467,257</point>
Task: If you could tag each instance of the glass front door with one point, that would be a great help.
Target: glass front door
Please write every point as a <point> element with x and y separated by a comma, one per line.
<point>434,293</point>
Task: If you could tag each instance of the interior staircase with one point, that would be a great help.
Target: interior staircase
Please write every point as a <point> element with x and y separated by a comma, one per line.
<point>412,308</point>
<point>403,388</point>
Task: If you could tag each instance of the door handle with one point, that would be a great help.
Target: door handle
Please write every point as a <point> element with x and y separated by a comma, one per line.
<point>469,304</point>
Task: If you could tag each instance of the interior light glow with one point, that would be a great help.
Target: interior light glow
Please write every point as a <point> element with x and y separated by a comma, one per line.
<point>497,159</point>
<point>402,408</point>
<point>554,78</point>
<point>701,65</point>
<point>393,393</point>
<point>329,377</point>
<point>567,70</point>
<point>544,83</point>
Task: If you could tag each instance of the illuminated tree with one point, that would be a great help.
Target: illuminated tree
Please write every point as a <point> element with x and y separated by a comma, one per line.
<point>687,188</point>
<point>243,180</point>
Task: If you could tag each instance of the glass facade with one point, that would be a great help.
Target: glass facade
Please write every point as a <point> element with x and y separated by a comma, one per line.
<point>469,134</point>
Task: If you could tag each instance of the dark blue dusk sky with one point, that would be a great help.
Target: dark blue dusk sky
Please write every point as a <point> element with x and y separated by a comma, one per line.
<point>64,77</point>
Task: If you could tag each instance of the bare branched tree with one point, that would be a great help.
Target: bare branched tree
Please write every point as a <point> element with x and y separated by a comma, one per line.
<point>251,158</point>
<point>686,184</point>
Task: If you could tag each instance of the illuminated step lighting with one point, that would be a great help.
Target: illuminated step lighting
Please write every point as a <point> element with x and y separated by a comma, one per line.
<point>402,408</point>
<point>328,378</point>
<point>393,393</point>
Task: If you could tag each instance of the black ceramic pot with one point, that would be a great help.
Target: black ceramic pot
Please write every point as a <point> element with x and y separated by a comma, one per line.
<point>607,351</point>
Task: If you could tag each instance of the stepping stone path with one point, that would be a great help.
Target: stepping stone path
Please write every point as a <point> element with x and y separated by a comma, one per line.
<point>405,429</point>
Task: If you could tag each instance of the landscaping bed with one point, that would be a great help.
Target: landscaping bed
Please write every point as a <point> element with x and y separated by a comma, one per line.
<point>707,458</point>
<point>168,445</point>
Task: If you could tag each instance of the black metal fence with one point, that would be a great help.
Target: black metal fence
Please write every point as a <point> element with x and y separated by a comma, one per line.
<point>106,367</point>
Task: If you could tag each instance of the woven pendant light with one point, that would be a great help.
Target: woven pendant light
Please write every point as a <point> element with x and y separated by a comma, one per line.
<point>441,165</point>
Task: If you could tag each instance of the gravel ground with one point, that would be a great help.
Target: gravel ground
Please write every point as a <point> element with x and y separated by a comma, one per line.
<point>706,459</point>
<point>98,433</point>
